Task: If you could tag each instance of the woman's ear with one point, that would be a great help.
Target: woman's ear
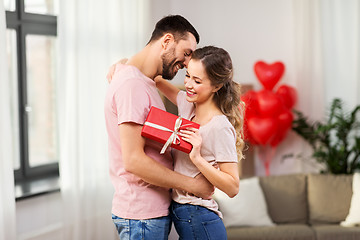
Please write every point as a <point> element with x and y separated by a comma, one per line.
<point>167,39</point>
<point>217,88</point>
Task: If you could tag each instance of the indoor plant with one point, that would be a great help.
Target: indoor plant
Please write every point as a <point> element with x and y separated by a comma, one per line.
<point>336,142</point>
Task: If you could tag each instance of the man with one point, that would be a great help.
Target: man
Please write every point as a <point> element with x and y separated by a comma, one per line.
<point>142,176</point>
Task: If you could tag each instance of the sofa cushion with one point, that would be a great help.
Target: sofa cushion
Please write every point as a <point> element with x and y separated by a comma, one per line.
<point>329,197</point>
<point>286,198</point>
<point>336,232</point>
<point>280,232</point>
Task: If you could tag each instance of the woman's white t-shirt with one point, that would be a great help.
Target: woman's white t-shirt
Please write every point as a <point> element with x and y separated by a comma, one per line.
<point>218,145</point>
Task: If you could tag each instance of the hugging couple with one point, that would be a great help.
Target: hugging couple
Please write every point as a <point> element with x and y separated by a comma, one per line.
<point>152,190</point>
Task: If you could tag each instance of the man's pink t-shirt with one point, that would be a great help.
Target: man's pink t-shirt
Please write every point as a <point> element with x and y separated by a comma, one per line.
<point>129,98</point>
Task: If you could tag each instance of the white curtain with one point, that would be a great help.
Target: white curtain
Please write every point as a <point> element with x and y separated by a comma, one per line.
<point>92,35</point>
<point>327,58</point>
<point>7,196</point>
<point>341,44</point>
<point>308,57</point>
<point>327,35</point>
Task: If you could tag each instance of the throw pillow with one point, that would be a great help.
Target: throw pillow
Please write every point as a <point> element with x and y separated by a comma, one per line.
<point>247,208</point>
<point>329,198</point>
<point>353,217</point>
<point>286,197</point>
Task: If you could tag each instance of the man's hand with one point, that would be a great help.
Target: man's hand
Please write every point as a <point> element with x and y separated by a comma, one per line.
<point>110,74</point>
<point>202,187</point>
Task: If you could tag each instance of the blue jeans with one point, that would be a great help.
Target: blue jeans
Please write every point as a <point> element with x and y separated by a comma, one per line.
<point>148,229</point>
<point>196,222</point>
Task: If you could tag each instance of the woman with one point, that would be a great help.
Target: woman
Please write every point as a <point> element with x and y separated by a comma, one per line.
<point>211,99</point>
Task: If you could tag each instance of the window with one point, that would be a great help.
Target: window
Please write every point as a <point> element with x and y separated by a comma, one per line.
<point>31,41</point>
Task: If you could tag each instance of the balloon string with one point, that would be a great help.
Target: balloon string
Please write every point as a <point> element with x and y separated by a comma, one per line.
<point>266,155</point>
<point>267,160</point>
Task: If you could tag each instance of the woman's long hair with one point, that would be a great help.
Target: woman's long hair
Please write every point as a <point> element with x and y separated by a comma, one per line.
<point>219,69</point>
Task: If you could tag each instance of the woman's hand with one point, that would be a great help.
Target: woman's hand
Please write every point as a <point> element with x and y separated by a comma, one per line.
<point>110,74</point>
<point>192,136</point>
<point>167,89</point>
<point>158,79</point>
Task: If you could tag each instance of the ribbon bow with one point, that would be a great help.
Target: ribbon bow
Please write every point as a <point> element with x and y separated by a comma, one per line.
<point>174,138</point>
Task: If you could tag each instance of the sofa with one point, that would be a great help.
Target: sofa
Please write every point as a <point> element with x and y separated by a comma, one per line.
<point>295,206</point>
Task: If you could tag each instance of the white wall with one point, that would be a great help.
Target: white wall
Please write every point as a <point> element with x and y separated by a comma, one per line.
<point>250,30</point>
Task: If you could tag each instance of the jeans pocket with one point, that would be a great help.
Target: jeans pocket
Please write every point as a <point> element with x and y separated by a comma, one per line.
<point>122,226</point>
<point>215,229</point>
<point>181,213</point>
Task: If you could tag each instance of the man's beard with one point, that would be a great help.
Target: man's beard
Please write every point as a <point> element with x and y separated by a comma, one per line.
<point>168,71</point>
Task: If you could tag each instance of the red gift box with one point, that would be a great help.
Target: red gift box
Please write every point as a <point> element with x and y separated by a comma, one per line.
<point>163,127</point>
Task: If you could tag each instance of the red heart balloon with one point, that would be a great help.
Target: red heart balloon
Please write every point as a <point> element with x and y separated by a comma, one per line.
<point>262,129</point>
<point>285,120</point>
<point>269,74</point>
<point>250,110</point>
<point>288,95</point>
<point>269,104</point>
<point>251,103</point>
<point>247,135</point>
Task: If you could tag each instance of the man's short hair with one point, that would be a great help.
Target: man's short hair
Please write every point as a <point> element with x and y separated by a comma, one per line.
<point>176,25</point>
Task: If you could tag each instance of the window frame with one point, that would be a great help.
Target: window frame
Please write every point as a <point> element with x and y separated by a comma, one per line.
<point>36,24</point>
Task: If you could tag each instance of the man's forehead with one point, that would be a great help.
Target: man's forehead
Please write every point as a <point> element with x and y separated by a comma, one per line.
<point>189,43</point>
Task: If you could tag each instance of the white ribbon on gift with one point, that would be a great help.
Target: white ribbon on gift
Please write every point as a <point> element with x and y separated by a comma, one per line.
<point>174,138</point>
